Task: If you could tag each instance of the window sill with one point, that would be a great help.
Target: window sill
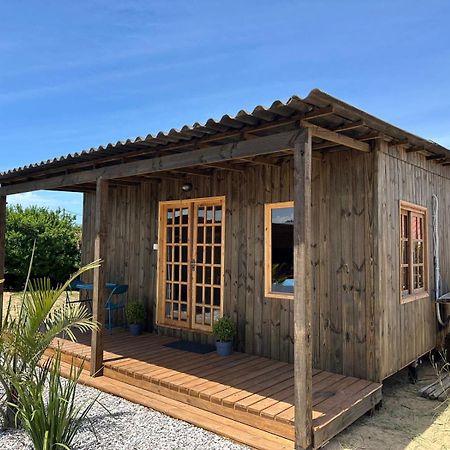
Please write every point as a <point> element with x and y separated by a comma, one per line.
<point>279,295</point>
<point>413,297</point>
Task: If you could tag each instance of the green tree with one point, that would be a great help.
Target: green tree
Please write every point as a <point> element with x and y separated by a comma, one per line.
<point>57,244</point>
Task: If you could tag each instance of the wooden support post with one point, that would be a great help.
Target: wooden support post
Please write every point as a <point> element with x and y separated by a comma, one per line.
<point>2,250</point>
<point>99,293</point>
<point>302,291</point>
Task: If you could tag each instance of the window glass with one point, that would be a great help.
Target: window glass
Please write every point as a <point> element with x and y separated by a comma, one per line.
<point>280,249</point>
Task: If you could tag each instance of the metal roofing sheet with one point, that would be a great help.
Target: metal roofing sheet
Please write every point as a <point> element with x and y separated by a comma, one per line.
<point>258,116</point>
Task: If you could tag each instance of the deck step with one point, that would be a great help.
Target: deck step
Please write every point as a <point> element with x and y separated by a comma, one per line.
<point>281,429</point>
<point>236,431</point>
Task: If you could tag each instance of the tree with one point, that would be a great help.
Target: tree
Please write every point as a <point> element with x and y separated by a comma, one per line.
<point>57,244</point>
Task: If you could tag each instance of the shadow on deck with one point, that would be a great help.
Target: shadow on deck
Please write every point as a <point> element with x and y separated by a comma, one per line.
<point>246,389</point>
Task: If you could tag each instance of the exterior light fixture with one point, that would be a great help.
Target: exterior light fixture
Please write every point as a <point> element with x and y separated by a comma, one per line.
<point>187,187</point>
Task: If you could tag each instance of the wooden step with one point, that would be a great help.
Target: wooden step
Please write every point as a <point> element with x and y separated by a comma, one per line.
<point>234,430</point>
<point>284,430</point>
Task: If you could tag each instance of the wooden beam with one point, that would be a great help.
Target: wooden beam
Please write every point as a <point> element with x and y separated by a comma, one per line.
<point>302,291</point>
<point>332,136</point>
<point>325,145</point>
<point>2,251</point>
<point>415,149</point>
<point>259,146</point>
<point>316,113</point>
<point>223,166</point>
<point>99,293</point>
<point>372,135</point>
<point>350,126</point>
<point>435,157</point>
<point>260,160</point>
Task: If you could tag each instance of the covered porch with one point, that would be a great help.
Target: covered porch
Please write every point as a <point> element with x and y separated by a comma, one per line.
<point>253,395</point>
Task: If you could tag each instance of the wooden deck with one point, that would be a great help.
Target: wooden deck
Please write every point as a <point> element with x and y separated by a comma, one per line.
<point>247,390</point>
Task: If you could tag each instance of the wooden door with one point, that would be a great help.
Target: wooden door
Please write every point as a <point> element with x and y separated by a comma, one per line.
<point>208,259</point>
<point>175,229</point>
<point>191,263</point>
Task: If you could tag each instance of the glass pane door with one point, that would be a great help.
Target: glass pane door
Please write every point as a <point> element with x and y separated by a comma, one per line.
<point>191,263</point>
<point>175,270</point>
<point>208,260</point>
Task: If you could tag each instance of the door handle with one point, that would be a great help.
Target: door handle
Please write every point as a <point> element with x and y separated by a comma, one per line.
<point>193,264</point>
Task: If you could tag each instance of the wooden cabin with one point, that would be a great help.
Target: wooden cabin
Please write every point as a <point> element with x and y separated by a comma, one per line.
<point>221,218</point>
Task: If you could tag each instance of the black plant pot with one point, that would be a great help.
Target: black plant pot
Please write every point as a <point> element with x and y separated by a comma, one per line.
<point>135,329</point>
<point>224,348</point>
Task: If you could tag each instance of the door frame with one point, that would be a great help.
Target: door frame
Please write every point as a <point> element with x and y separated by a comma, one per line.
<point>161,253</point>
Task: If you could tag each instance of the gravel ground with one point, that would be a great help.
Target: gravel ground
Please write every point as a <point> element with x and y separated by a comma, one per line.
<point>126,426</point>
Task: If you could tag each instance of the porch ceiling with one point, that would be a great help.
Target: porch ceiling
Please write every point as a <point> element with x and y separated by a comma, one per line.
<point>353,127</point>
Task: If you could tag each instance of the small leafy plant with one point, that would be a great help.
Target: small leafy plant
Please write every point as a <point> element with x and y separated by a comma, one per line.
<point>224,329</point>
<point>135,313</point>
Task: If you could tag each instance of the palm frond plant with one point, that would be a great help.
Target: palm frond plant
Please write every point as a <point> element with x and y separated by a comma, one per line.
<point>53,418</point>
<point>27,332</point>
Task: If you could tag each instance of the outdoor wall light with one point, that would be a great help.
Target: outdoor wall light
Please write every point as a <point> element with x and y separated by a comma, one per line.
<point>187,187</point>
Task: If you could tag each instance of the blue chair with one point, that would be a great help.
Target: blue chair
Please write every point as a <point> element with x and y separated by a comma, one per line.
<point>118,290</point>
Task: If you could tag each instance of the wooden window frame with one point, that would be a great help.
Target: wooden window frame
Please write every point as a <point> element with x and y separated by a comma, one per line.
<point>268,250</point>
<point>411,209</point>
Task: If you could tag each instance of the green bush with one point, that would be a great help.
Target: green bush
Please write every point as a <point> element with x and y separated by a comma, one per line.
<point>28,329</point>
<point>57,244</point>
<point>224,329</point>
<point>47,407</point>
<point>135,313</point>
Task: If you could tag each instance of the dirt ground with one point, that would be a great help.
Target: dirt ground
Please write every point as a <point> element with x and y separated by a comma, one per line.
<point>405,420</point>
<point>15,298</point>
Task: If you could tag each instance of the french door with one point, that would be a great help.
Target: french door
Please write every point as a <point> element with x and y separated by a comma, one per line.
<point>191,262</point>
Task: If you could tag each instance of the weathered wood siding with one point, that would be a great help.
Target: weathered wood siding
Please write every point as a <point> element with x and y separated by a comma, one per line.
<point>407,331</point>
<point>341,256</point>
<point>343,326</point>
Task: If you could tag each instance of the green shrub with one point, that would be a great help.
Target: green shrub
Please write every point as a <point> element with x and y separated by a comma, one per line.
<point>27,331</point>
<point>224,329</point>
<point>51,419</point>
<point>57,239</point>
<point>135,313</point>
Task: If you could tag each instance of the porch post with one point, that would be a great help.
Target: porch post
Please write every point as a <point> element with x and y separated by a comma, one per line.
<point>2,250</point>
<point>302,291</point>
<point>99,291</point>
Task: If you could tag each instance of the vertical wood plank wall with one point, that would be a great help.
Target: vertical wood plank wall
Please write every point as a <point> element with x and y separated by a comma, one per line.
<point>409,330</point>
<point>341,255</point>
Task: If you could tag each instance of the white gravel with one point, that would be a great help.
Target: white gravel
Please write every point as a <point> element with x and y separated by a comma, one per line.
<point>127,426</point>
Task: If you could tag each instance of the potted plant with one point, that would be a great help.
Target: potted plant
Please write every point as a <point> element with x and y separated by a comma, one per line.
<point>135,313</point>
<point>224,329</point>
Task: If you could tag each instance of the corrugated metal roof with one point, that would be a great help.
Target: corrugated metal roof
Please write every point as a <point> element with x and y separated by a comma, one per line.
<point>260,115</point>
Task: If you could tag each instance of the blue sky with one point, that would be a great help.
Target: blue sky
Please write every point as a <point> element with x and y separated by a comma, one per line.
<point>79,74</point>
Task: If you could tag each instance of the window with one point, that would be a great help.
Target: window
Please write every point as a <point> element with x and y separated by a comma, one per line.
<point>279,250</point>
<point>413,252</point>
